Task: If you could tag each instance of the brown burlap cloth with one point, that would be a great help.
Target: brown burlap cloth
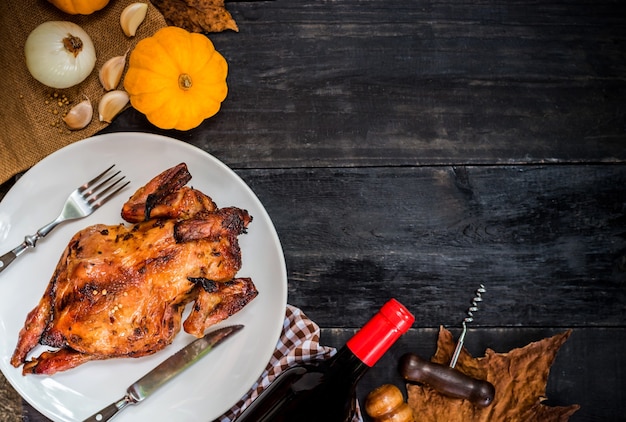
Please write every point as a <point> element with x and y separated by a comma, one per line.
<point>29,129</point>
<point>298,343</point>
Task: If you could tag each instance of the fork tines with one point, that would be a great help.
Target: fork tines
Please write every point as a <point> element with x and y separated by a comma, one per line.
<point>94,194</point>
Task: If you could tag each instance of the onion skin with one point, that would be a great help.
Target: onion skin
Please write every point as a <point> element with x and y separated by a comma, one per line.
<point>56,61</point>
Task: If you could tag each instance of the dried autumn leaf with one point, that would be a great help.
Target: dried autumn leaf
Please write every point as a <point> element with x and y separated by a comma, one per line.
<point>196,15</point>
<point>519,376</point>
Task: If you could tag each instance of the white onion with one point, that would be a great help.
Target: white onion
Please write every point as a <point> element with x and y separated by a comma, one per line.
<point>51,63</point>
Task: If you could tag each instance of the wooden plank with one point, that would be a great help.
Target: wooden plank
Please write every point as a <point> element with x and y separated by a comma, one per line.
<point>359,83</point>
<point>588,370</point>
<point>547,241</point>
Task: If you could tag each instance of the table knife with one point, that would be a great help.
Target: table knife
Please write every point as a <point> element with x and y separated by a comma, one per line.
<point>165,371</point>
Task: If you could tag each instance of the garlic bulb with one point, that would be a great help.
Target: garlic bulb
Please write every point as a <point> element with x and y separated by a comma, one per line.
<point>132,16</point>
<point>111,72</point>
<point>111,104</point>
<point>79,116</point>
<point>59,54</point>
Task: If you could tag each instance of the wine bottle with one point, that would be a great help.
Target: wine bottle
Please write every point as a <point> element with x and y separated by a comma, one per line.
<point>326,391</point>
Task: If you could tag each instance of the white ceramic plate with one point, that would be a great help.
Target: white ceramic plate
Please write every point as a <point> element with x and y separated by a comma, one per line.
<point>212,385</point>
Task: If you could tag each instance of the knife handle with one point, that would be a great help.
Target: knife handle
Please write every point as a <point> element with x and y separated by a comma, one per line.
<point>448,381</point>
<point>111,410</point>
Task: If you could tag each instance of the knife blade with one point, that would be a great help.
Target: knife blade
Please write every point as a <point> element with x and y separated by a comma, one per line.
<point>165,371</point>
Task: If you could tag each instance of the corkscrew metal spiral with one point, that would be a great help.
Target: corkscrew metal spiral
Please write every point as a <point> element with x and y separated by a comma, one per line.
<point>478,297</point>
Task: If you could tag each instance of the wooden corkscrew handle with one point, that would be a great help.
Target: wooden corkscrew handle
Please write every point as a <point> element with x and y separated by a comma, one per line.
<point>446,380</point>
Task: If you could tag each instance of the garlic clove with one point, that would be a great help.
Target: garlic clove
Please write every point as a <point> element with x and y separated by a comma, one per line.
<point>111,104</point>
<point>79,116</point>
<point>111,72</point>
<point>132,16</point>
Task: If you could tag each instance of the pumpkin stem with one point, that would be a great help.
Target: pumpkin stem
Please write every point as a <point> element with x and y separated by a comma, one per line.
<point>184,81</point>
<point>73,44</point>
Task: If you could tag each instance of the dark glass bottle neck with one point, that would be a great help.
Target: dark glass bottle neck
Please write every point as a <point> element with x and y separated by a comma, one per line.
<point>345,365</point>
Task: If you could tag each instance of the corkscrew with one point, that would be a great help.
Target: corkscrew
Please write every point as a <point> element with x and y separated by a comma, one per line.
<point>478,297</point>
<point>446,379</point>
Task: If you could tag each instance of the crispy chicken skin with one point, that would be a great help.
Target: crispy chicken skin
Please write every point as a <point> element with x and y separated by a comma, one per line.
<point>120,291</point>
<point>165,196</point>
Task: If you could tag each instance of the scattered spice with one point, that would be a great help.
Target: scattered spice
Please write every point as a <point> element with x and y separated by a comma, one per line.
<point>58,105</point>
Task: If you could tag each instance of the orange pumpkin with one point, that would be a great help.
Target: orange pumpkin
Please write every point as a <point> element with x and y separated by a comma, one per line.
<point>176,78</point>
<point>79,7</point>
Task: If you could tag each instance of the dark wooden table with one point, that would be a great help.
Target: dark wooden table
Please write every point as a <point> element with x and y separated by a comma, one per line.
<point>417,149</point>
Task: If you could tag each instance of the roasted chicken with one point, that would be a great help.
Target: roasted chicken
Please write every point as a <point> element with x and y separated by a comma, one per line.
<point>120,291</point>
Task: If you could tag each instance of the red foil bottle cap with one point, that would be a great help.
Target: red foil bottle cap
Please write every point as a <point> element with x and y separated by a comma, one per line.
<point>380,332</point>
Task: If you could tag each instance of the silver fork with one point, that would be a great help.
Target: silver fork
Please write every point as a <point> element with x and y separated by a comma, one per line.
<point>83,201</point>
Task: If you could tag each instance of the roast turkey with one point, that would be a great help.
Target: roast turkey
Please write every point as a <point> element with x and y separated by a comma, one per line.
<point>120,291</point>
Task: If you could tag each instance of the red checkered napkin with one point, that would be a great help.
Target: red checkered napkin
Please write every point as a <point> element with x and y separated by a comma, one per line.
<point>299,342</point>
